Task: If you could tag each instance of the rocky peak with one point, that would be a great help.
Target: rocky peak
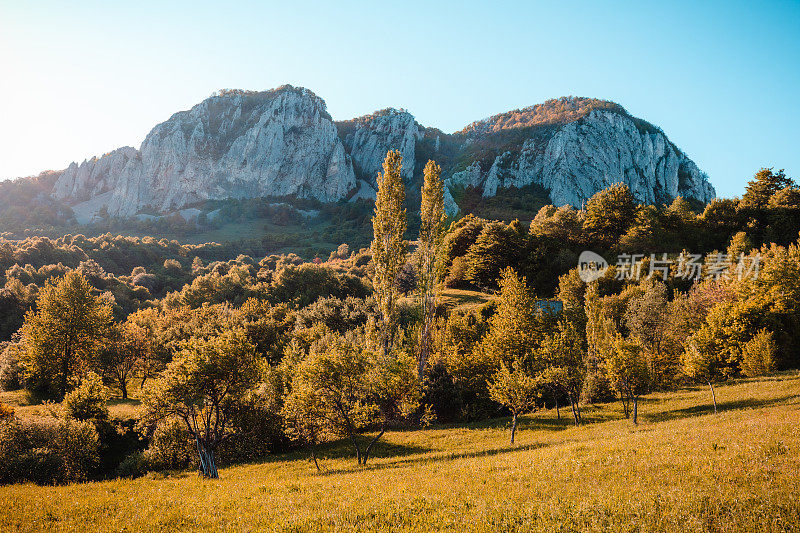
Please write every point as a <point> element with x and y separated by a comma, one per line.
<point>368,138</point>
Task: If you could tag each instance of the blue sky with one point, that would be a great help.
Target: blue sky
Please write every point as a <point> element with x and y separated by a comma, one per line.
<point>721,78</point>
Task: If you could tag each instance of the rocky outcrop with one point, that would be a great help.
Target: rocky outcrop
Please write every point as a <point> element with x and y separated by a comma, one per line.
<point>374,135</point>
<point>236,144</point>
<point>283,142</point>
<point>587,155</point>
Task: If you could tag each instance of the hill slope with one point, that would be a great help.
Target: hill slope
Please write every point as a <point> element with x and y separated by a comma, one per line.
<point>681,469</point>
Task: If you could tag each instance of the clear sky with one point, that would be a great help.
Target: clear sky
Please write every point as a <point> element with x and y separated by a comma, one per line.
<point>721,78</point>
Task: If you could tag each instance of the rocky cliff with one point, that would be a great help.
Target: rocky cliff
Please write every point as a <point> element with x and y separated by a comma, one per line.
<point>236,144</point>
<point>577,159</point>
<point>284,143</point>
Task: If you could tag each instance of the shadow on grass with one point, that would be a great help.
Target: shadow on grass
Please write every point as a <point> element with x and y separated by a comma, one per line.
<point>708,407</point>
<point>435,458</point>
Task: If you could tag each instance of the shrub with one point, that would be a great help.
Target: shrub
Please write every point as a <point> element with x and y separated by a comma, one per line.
<point>758,355</point>
<point>171,448</point>
<point>11,371</point>
<point>48,452</point>
<point>88,401</point>
<point>6,412</point>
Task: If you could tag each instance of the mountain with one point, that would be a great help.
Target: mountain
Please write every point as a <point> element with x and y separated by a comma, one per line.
<point>283,143</point>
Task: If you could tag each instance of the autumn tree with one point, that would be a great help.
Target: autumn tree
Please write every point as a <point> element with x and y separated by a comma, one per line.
<point>388,245</point>
<point>432,219</point>
<point>516,326</point>
<point>515,389</point>
<point>758,355</point>
<point>64,335</point>
<point>763,186</point>
<point>127,351</point>
<point>627,370</point>
<point>563,366</point>
<point>204,386</point>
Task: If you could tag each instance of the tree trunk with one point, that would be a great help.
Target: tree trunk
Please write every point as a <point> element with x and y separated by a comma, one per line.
<point>558,413</point>
<point>625,405</point>
<point>123,385</point>
<point>208,464</point>
<point>314,456</point>
<point>372,443</point>
<point>635,410</point>
<point>356,446</point>
<point>578,407</point>
<point>713,396</point>
<point>574,410</point>
<point>513,426</point>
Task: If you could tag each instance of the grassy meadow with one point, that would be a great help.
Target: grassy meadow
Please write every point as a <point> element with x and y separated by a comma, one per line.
<point>681,469</point>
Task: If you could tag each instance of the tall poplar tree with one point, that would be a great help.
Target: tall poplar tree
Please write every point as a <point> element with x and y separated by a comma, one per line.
<point>388,246</point>
<point>432,219</point>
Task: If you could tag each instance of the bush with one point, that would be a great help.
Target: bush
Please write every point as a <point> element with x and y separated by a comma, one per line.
<point>171,448</point>
<point>88,401</point>
<point>6,412</point>
<point>48,452</point>
<point>11,371</point>
<point>758,355</point>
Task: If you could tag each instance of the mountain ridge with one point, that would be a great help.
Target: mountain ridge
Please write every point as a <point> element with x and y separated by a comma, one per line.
<point>283,142</point>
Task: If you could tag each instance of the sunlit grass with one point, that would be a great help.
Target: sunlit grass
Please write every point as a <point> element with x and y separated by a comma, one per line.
<point>683,468</point>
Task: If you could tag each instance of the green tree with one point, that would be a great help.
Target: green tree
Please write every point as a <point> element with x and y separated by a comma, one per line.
<point>498,246</point>
<point>515,389</point>
<point>432,219</point>
<point>204,386</point>
<point>64,335</point>
<point>609,213</point>
<point>763,186</point>
<point>388,245</point>
<point>88,401</point>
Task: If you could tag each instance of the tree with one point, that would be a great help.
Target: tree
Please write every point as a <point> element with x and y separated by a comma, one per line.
<point>388,245</point>
<point>758,355</point>
<point>204,386</point>
<point>432,219</point>
<point>564,366</point>
<point>609,213</point>
<point>516,327</point>
<point>498,246</point>
<point>763,186</point>
<point>516,389</point>
<point>128,350</point>
<point>64,335</point>
<point>88,400</point>
<point>703,366</point>
<point>328,393</point>
<point>627,371</point>
<point>647,319</point>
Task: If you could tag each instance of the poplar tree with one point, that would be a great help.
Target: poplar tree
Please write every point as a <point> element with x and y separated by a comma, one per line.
<point>388,246</point>
<point>430,237</point>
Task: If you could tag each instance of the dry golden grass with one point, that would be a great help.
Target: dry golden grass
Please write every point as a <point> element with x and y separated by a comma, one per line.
<point>682,469</point>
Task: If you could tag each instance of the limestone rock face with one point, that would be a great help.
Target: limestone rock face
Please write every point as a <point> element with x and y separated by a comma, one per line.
<point>376,134</point>
<point>587,155</point>
<point>283,142</point>
<point>238,144</point>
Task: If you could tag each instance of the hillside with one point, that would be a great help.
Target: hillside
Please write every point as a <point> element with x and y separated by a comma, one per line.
<point>682,469</point>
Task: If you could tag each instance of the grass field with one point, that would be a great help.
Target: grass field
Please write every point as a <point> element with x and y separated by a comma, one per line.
<point>681,469</point>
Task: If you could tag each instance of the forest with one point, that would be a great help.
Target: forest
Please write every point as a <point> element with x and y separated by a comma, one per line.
<point>121,356</point>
